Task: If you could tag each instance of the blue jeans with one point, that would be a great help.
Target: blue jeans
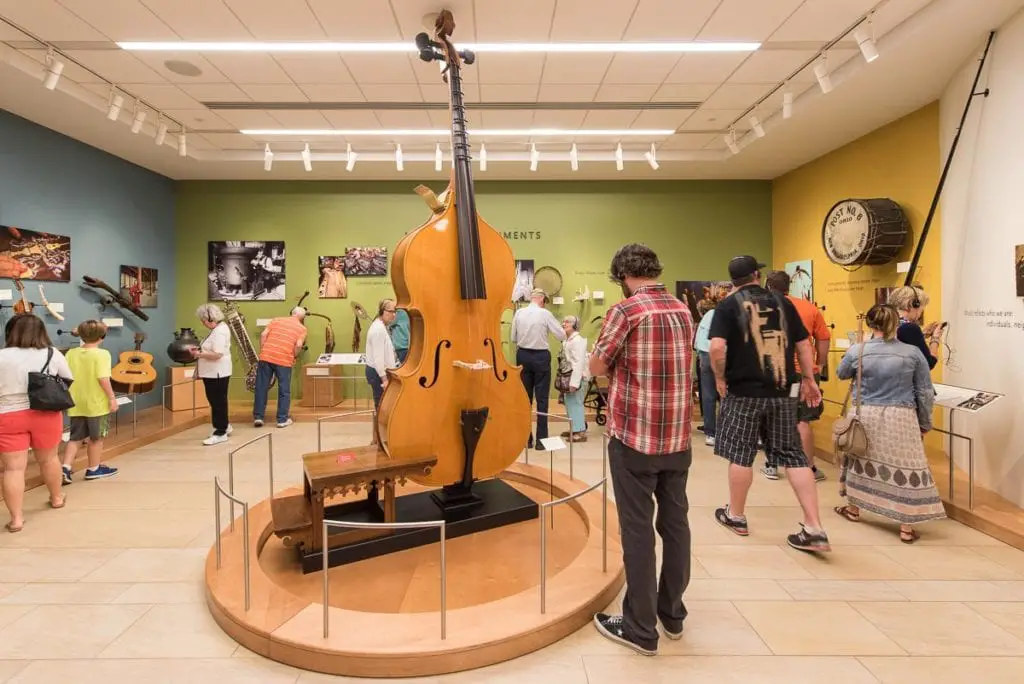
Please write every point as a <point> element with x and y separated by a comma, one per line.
<point>400,354</point>
<point>376,385</point>
<point>708,393</point>
<point>574,407</point>
<point>264,373</point>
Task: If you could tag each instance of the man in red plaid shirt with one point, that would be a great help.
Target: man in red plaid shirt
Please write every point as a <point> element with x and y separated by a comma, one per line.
<point>645,348</point>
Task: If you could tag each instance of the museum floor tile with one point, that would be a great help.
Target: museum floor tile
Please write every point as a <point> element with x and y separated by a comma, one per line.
<point>110,589</point>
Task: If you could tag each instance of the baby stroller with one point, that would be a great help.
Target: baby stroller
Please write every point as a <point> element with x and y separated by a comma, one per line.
<point>597,400</point>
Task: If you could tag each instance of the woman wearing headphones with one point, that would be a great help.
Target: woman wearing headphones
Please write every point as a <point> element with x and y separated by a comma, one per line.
<point>213,358</point>
<point>910,303</point>
<point>574,350</point>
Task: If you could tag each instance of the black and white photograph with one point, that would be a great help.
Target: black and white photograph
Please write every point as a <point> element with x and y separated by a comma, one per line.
<point>365,261</point>
<point>246,271</point>
<point>978,401</point>
<point>524,280</point>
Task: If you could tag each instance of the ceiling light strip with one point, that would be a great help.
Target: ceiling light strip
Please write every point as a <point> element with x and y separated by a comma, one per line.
<point>410,47</point>
<point>444,106</point>
<point>435,132</point>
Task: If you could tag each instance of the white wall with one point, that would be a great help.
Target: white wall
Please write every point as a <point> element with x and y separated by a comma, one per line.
<point>982,221</point>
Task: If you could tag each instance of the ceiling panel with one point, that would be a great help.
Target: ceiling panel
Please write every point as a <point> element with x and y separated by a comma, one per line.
<point>163,96</point>
<point>314,68</point>
<point>410,14</point>
<point>117,66</point>
<point>836,58</point>
<point>669,19</point>
<point>8,32</point>
<point>626,93</point>
<point>438,92</point>
<point>246,118</point>
<point>215,92</point>
<point>121,19</point>
<point>506,119</point>
<point>893,13</point>
<point>380,68</point>
<point>197,141</point>
<point>369,20</point>
<point>392,93</point>
<point>771,66</point>
<point>743,20</point>
<point>508,93</point>
<point>199,19</point>
<point>233,141</point>
<point>640,68</point>
<point>502,68</point>
<point>567,92</point>
<point>333,92</point>
<point>600,20</point>
<point>706,67</point>
<point>563,68</point>
<point>442,119</point>
<point>277,19</point>
<point>821,20</point>
<point>248,67</point>
<point>684,92</point>
<point>711,119</point>
<point>560,118</point>
<point>403,119</point>
<point>273,92</point>
<point>352,119</point>
<point>736,96</point>
<point>660,118</point>
<point>198,119</point>
<point>529,23</point>
<point>687,141</point>
<point>49,20</point>
<point>599,118</point>
<point>157,61</point>
<point>296,118</point>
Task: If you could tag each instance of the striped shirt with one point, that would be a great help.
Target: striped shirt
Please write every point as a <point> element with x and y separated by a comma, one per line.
<point>645,341</point>
<point>282,334</point>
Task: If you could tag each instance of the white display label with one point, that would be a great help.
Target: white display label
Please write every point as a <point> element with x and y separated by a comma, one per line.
<point>263,322</point>
<point>598,294</point>
<point>903,267</point>
<point>58,307</point>
<point>123,401</point>
<point>341,359</point>
<point>318,371</point>
<point>6,295</point>
<point>842,343</point>
<point>113,322</point>
<point>190,372</point>
<point>558,300</point>
<point>552,443</point>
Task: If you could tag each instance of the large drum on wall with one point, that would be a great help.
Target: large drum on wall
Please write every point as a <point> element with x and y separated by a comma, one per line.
<point>859,232</point>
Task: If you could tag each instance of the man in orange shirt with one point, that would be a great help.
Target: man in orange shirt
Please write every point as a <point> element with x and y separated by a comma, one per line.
<point>778,282</point>
<point>280,344</point>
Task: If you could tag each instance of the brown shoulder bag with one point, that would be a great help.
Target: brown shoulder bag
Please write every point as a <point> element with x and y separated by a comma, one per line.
<point>848,435</point>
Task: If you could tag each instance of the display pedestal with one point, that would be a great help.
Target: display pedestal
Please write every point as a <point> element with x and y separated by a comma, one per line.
<point>965,400</point>
<point>321,385</point>
<point>179,394</point>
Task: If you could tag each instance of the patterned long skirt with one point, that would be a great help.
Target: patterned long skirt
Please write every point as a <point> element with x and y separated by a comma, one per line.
<point>893,479</point>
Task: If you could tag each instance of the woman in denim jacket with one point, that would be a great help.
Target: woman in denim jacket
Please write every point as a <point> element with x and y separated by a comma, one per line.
<point>893,479</point>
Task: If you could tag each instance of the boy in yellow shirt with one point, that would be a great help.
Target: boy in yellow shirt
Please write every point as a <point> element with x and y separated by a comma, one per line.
<point>94,400</point>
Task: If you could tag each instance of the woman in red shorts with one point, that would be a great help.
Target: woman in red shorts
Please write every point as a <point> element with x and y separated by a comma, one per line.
<point>21,427</point>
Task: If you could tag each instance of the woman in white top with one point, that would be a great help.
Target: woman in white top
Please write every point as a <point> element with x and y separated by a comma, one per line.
<point>28,350</point>
<point>575,350</point>
<point>380,351</point>
<point>213,358</point>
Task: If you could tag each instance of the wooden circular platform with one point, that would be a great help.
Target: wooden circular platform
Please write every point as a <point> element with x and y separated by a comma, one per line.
<point>384,619</point>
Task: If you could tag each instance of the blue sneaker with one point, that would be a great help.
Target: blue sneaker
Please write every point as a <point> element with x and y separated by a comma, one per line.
<point>99,472</point>
<point>66,474</point>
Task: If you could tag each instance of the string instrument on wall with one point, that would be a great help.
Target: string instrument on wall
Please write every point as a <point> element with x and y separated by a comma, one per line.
<point>134,372</point>
<point>48,306</point>
<point>328,329</point>
<point>21,305</point>
<point>357,326</point>
<point>456,396</point>
<point>116,298</point>
<point>236,323</point>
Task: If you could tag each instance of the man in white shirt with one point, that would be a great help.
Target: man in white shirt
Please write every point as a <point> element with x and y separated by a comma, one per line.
<point>530,329</point>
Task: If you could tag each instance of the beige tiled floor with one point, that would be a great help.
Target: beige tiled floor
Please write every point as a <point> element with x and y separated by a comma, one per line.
<point>109,589</point>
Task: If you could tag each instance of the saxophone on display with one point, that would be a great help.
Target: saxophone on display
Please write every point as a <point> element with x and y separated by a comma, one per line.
<point>236,322</point>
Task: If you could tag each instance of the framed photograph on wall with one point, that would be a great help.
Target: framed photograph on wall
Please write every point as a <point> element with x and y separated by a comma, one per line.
<point>246,271</point>
<point>524,280</point>
<point>139,286</point>
<point>365,261</point>
<point>1019,267</point>
<point>801,279</point>
<point>30,255</point>
<point>332,283</point>
<point>692,292</point>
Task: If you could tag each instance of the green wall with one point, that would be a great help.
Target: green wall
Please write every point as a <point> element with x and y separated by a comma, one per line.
<point>695,226</point>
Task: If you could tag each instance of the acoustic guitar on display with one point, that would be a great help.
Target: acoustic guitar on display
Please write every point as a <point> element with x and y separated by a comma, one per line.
<point>134,372</point>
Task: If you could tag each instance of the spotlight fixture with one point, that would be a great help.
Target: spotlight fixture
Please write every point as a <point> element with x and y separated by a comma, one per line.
<point>787,105</point>
<point>398,158</point>
<point>438,157</point>
<point>618,157</point>
<point>307,158</point>
<point>182,147</point>
<point>350,158</point>
<point>116,102</point>
<point>652,158</point>
<point>54,69</point>
<point>755,125</point>
<point>268,158</point>
<point>824,80</point>
<point>866,45</point>
<point>574,158</point>
<point>730,142</point>
<point>161,134</point>
<point>140,118</point>
<point>534,157</point>
<point>483,157</point>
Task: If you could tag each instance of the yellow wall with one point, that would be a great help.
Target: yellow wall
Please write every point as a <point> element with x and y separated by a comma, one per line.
<point>899,161</point>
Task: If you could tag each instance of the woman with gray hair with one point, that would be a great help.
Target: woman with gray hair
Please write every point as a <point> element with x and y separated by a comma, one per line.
<point>213,359</point>
<point>574,353</point>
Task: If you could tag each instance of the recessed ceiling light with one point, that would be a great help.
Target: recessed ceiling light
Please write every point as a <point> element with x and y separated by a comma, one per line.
<point>182,68</point>
<point>256,46</point>
<point>432,132</point>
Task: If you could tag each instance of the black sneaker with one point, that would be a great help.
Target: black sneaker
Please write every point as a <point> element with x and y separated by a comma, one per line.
<point>675,635</point>
<point>805,541</point>
<point>612,627</point>
<point>737,525</point>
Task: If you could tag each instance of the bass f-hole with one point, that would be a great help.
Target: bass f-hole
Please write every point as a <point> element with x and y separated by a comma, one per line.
<point>446,344</point>
<point>503,376</point>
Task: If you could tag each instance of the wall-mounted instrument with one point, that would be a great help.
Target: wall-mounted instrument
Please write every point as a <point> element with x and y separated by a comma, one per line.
<point>134,372</point>
<point>860,232</point>
<point>48,306</point>
<point>456,396</point>
<point>116,298</point>
<point>328,329</point>
<point>549,279</point>
<point>236,323</point>
<point>21,305</point>
<point>357,326</point>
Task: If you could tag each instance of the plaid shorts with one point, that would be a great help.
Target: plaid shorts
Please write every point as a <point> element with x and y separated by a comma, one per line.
<point>741,420</point>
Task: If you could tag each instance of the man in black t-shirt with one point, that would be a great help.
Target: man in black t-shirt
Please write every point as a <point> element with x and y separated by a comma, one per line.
<point>754,335</point>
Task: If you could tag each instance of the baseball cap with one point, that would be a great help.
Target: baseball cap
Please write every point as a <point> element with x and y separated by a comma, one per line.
<point>742,266</point>
<point>537,292</point>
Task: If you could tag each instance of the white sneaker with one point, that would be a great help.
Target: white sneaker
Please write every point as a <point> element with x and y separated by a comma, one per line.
<point>286,423</point>
<point>228,431</point>
<point>215,439</point>
<point>709,441</point>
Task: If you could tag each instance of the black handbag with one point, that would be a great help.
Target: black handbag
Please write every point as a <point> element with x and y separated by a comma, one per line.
<point>48,392</point>
<point>564,374</point>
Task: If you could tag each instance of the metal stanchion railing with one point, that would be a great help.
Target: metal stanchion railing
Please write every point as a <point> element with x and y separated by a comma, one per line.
<point>439,524</point>
<point>335,416</point>
<point>218,491</point>
<point>562,419</point>
<point>318,378</point>
<point>269,436</point>
<point>194,380</point>
<point>603,483</point>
